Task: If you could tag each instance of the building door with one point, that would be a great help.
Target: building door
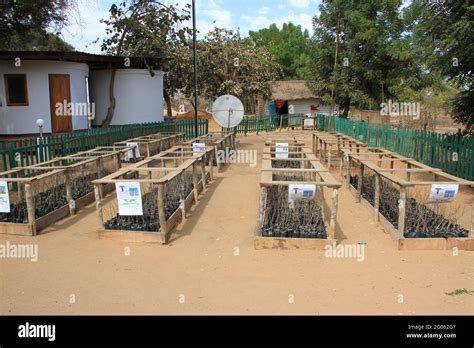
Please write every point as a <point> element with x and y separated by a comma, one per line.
<point>60,97</point>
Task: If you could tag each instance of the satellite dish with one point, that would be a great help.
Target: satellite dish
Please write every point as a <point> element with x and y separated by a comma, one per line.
<point>228,111</point>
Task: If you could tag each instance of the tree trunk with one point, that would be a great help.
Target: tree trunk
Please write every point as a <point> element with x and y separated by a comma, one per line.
<point>169,109</point>
<point>111,109</point>
<point>345,106</point>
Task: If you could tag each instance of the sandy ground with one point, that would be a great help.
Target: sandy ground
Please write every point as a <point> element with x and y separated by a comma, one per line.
<point>201,272</point>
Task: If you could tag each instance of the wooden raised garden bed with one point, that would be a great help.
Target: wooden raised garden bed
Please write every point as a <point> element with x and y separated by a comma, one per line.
<point>418,205</point>
<point>220,141</point>
<point>327,146</point>
<point>149,145</point>
<point>44,193</point>
<point>287,222</point>
<point>169,184</point>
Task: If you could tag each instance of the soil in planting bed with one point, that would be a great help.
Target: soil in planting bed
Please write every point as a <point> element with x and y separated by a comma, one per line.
<point>150,221</point>
<point>304,220</point>
<point>286,164</point>
<point>420,222</point>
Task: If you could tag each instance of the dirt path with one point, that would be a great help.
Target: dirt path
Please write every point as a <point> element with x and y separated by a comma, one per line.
<point>212,262</point>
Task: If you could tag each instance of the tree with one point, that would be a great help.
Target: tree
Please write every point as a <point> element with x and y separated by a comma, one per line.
<point>144,28</point>
<point>229,64</point>
<point>26,25</point>
<point>374,59</point>
<point>289,46</point>
<point>179,73</point>
<point>443,31</point>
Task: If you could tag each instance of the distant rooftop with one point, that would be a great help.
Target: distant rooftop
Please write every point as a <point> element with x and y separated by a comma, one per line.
<point>290,90</point>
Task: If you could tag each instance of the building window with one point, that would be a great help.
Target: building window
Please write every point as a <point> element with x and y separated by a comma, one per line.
<point>16,90</point>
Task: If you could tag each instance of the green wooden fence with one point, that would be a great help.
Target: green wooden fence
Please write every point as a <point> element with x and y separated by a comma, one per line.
<point>257,124</point>
<point>451,153</point>
<point>27,151</point>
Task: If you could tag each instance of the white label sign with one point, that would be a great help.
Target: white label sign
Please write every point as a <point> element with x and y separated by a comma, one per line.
<point>198,148</point>
<point>282,148</point>
<point>135,147</point>
<point>129,198</point>
<point>298,191</point>
<point>443,193</point>
<point>4,197</point>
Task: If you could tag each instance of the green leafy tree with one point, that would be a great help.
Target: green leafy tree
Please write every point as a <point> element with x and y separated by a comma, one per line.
<point>34,25</point>
<point>289,46</point>
<point>443,32</point>
<point>360,55</point>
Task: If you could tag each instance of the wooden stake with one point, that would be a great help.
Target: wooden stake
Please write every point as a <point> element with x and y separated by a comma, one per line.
<point>195,181</point>
<point>98,204</point>
<point>30,206</point>
<point>216,155</point>
<point>162,214</point>
<point>402,212</point>
<point>348,171</point>
<point>377,197</point>
<point>332,221</point>
<point>67,175</point>
<point>359,182</point>
<point>210,158</point>
<point>203,172</point>
<point>261,211</point>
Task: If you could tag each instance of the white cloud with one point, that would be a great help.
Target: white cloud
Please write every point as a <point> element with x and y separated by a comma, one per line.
<point>264,10</point>
<point>299,3</point>
<point>85,26</point>
<point>211,14</point>
<point>255,23</point>
<point>303,19</point>
<point>222,18</point>
<point>259,22</point>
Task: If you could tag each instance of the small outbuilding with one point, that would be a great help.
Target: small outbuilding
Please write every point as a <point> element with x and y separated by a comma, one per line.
<point>292,97</point>
<point>71,91</point>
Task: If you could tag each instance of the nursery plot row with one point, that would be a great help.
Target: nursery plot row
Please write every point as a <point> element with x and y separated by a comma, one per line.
<point>422,207</point>
<point>32,198</point>
<point>289,152</point>
<point>149,145</point>
<point>293,212</point>
<point>153,196</point>
<point>222,143</point>
<point>352,159</point>
<point>290,136</point>
<point>120,154</point>
<point>329,147</point>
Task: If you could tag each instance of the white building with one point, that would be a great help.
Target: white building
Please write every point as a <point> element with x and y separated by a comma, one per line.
<point>70,91</point>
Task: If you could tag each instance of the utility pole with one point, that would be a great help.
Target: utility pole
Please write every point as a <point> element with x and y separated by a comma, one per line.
<point>196,127</point>
<point>336,58</point>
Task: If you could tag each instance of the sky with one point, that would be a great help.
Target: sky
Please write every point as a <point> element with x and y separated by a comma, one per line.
<point>85,26</point>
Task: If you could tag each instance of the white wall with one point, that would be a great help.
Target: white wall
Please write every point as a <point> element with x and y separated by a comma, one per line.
<point>303,106</point>
<point>22,119</point>
<point>138,96</point>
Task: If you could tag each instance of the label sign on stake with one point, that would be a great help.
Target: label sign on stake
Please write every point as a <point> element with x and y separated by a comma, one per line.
<point>299,191</point>
<point>135,148</point>
<point>129,198</point>
<point>443,193</point>
<point>198,149</point>
<point>4,197</point>
<point>283,149</point>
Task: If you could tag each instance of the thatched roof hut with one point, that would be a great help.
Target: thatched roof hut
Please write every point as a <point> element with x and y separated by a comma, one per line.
<point>291,90</point>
